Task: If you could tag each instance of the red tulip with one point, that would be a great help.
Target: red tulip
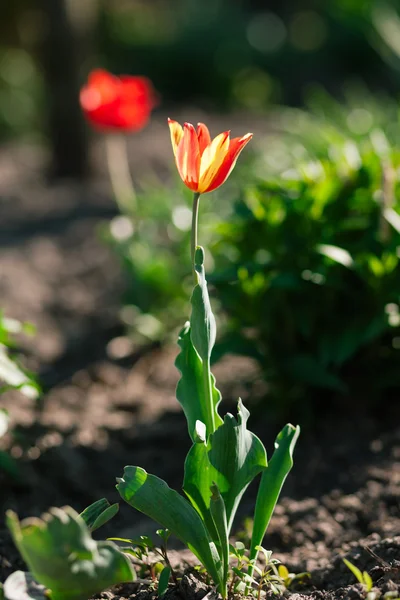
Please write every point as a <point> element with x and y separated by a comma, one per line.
<point>117,103</point>
<point>203,164</point>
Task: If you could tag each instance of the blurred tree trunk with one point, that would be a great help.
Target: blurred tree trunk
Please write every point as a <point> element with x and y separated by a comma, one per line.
<point>67,33</point>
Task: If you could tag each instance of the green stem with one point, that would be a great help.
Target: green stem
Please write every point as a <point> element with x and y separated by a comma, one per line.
<point>119,171</point>
<point>209,394</point>
<point>195,220</point>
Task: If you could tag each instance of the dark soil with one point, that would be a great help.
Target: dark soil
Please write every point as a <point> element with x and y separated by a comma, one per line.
<point>99,414</point>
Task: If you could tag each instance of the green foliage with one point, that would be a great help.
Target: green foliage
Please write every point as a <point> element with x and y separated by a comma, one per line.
<point>272,575</point>
<point>163,581</point>
<point>223,460</point>
<point>154,498</point>
<point>62,556</point>
<point>308,268</point>
<point>191,392</point>
<point>143,550</point>
<point>232,458</point>
<point>362,577</point>
<point>157,283</point>
<point>99,513</point>
<point>271,484</point>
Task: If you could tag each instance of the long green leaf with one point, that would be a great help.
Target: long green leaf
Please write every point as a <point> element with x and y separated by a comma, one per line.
<point>190,391</point>
<point>231,459</point>
<point>271,484</point>
<point>153,497</point>
<point>202,320</point>
<point>203,333</point>
<point>62,555</point>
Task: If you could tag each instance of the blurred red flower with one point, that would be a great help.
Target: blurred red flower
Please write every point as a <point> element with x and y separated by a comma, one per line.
<point>113,103</point>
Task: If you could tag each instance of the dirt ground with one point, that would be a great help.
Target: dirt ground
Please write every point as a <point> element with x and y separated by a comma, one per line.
<point>99,413</point>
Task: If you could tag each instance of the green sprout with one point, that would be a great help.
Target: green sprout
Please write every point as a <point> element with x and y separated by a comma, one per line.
<point>272,575</point>
<point>362,577</point>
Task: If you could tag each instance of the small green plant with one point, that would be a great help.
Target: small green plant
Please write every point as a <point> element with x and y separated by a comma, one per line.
<point>272,575</point>
<point>99,513</point>
<point>145,552</point>
<point>362,577</point>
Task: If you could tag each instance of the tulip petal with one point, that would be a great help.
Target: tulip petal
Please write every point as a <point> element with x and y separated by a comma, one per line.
<point>204,136</point>
<point>212,159</point>
<point>188,157</point>
<point>104,83</point>
<point>117,103</point>
<point>138,90</point>
<point>176,132</point>
<point>235,147</point>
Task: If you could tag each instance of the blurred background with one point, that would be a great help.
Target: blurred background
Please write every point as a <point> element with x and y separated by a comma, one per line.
<point>303,241</point>
<point>216,55</point>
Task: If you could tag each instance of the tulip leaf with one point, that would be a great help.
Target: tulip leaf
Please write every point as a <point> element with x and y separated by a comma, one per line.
<point>62,555</point>
<point>231,459</point>
<point>163,581</point>
<point>190,391</point>
<point>271,483</point>
<point>195,363</point>
<point>99,513</point>
<point>153,497</point>
<point>202,320</point>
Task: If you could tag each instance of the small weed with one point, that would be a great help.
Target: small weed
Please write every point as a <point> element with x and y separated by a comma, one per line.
<point>364,578</point>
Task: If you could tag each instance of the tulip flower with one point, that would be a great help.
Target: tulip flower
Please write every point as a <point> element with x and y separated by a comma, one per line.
<point>113,103</point>
<point>202,163</point>
<point>118,105</point>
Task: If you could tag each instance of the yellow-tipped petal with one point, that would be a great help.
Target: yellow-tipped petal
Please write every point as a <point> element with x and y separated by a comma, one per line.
<point>212,159</point>
<point>235,147</point>
<point>176,134</point>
